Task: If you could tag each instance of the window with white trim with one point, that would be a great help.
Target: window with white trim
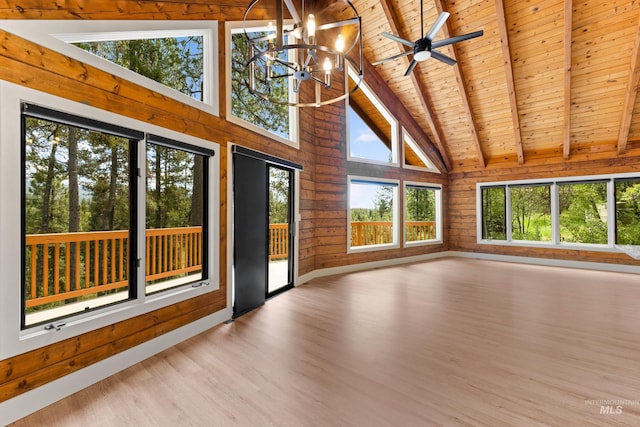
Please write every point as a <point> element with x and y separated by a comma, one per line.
<point>271,119</point>
<point>372,131</point>
<point>373,213</point>
<point>414,157</point>
<point>422,213</point>
<point>177,59</point>
<point>74,253</point>
<point>595,213</point>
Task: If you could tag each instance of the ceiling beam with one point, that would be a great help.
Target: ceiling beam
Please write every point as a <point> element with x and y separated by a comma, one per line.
<point>394,24</point>
<point>462,87</point>
<point>568,38</point>
<point>508,70</point>
<point>630,98</point>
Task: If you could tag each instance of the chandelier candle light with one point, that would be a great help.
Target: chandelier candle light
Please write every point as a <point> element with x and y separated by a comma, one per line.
<point>303,48</point>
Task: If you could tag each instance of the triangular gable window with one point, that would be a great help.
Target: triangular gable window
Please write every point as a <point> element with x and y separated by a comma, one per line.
<point>371,128</point>
<point>414,157</point>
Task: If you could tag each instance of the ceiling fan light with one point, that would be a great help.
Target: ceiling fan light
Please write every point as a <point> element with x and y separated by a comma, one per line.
<point>422,55</point>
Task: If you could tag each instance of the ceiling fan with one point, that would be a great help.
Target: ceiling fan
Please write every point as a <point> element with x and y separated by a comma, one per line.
<point>423,48</point>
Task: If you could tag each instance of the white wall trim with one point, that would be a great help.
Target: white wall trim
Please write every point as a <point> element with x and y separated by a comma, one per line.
<point>551,262</point>
<point>368,266</point>
<point>27,403</point>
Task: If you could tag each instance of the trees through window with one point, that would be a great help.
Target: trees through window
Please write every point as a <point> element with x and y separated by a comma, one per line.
<point>81,248</point>
<point>422,206</point>
<point>372,212</point>
<point>574,212</point>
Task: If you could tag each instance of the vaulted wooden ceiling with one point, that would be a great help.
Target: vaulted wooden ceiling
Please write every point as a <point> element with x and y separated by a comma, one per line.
<point>550,81</point>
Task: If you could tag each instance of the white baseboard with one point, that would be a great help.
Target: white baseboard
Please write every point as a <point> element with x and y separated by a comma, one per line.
<point>552,262</point>
<point>27,403</point>
<point>367,266</point>
<point>586,265</point>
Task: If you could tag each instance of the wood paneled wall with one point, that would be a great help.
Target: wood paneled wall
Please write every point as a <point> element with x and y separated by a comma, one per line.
<point>462,207</point>
<point>323,204</point>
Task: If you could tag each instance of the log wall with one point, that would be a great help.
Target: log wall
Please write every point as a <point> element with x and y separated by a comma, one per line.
<point>323,227</point>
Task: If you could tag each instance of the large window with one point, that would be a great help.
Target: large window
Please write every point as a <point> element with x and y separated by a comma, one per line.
<point>372,130</point>
<point>531,212</point>
<point>583,212</point>
<point>177,59</point>
<point>587,212</point>
<point>176,62</point>
<point>422,218</point>
<point>103,218</point>
<point>77,215</point>
<point>373,216</point>
<point>275,120</point>
<point>175,215</point>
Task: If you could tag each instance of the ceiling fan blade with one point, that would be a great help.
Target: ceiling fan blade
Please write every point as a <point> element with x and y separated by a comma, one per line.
<point>391,58</point>
<point>398,39</point>
<point>456,39</point>
<point>442,18</point>
<point>411,67</point>
<point>443,58</point>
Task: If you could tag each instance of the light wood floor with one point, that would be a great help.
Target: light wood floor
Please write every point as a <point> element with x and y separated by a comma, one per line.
<point>447,342</point>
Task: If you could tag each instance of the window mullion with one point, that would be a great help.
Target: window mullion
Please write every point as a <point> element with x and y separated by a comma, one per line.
<point>555,215</point>
<point>141,223</point>
<point>507,216</point>
<point>611,212</point>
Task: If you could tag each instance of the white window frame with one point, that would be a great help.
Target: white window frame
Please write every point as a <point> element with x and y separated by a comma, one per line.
<point>395,162</point>
<point>233,27</point>
<point>13,341</point>
<point>407,138</point>
<point>395,212</point>
<point>555,213</point>
<point>438,200</point>
<point>55,35</point>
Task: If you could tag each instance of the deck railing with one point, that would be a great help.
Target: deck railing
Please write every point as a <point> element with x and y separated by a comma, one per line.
<point>365,233</point>
<point>62,266</point>
<point>278,241</point>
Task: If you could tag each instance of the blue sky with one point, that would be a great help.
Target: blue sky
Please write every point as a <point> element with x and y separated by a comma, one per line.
<point>363,142</point>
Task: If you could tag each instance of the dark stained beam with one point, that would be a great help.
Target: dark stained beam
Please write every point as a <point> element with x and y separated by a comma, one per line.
<point>508,70</point>
<point>394,24</point>
<point>630,98</point>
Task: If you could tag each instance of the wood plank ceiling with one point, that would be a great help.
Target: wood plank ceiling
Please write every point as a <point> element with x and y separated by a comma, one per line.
<point>550,81</point>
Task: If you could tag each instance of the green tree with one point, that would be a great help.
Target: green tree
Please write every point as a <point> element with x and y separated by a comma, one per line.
<point>580,212</point>
<point>270,116</point>
<point>531,212</point>
<point>494,213</point>
<point>176,62</point>
<point>628,212</point>
<point>279,204</point>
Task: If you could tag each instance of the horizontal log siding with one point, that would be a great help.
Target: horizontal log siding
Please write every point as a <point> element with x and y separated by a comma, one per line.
<point>462,207</point>
<point>25,63</point>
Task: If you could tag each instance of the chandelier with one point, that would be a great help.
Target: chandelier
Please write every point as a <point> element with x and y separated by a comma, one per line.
<point>299,59</point>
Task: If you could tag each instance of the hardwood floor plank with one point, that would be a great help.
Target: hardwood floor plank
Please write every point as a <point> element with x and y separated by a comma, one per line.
<point>447,342</point>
